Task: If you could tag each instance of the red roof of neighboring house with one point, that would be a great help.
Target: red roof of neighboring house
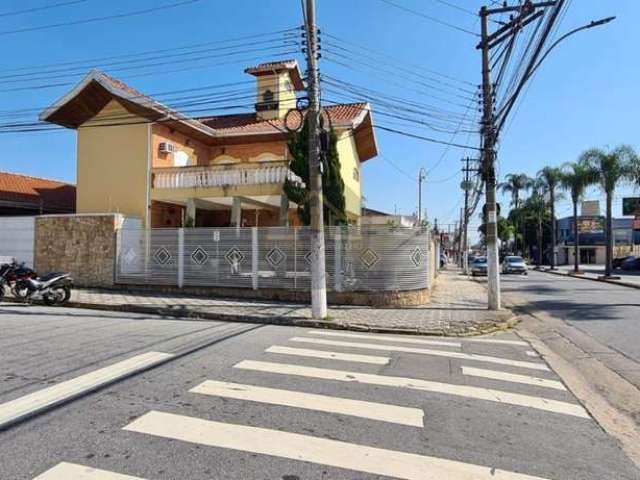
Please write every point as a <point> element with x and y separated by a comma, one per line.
<point>34,192</point>
<point>344,115</point>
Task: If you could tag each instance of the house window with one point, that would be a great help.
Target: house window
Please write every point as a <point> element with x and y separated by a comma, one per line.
<point>356,174</point>
<point>267,96</point>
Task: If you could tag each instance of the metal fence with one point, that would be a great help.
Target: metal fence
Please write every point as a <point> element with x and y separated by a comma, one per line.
<point>17,239</point>
<point>357,258</point>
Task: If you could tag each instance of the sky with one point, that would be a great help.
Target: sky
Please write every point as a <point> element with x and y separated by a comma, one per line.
<point>585,94</point>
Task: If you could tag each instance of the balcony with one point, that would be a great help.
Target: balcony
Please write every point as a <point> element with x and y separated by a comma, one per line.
<point>273,173</point>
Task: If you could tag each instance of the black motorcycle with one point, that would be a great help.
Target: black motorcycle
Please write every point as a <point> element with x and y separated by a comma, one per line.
<point>54,288</point>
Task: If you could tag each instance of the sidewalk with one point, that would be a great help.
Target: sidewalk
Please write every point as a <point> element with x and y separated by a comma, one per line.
<point>594,272</point>
<point>458,307</point>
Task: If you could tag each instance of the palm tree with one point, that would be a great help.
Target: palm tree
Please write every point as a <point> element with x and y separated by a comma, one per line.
<point>576,177</point>
<point>514,184</point>
<point>612,167</point>
<point>550,177</point>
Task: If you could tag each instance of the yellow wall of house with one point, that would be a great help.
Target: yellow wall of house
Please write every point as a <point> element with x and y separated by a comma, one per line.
<point>113,164</point>
<point>350,163</point>
<point>283,93</point>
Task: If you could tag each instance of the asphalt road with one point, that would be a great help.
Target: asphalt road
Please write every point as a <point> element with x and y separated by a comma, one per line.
<point>608,313</point>
<point>458,412</point>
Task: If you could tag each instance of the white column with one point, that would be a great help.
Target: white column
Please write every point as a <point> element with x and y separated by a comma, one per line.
<point>284,211</point>
<point>254,257</point>
<point>180,257</point>
<point>191,210</point>
<point>236,212</point>
<point>337,259</point>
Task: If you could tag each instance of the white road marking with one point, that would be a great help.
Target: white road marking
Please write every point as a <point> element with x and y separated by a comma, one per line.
<point>478,393</point>
<point>397,339</point>
<point>497,341</point>
<point>375,411</point>
<point>347,357</point>
<point>305,448</point>
<point>424,351</point>
<point>512,377</point>
<point>72,471</point>
<point>20,408</point>
<point>531,353</point>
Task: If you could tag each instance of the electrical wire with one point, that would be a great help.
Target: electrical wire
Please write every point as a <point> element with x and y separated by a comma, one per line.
<point>430,18</point>
<point>99,19</point>
<point>39,9</point>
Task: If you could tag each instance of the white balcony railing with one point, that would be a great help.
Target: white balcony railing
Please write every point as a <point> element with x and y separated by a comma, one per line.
<point>222,176</point>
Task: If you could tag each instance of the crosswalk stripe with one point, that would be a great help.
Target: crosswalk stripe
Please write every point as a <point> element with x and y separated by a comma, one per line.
<point>31,404</point>
<point>478,393</point>
<point>305,448</point>
<point>424,351</point>
<point>72,471</point>
<point>518,343</point>
<point>397,339</point>
<point>412,417</point>
<point>531,353</point>
<point>512,377</point>
<point>347,357</point>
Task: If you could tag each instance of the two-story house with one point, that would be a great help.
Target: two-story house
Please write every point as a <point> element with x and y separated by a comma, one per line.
<point>138,157</point>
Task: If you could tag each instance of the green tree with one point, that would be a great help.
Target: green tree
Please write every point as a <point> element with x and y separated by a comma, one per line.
<point>332,183</point>
<point>515,184</point>
<point>611,168</point>
<point>550,178</point>
<point>576,177</point>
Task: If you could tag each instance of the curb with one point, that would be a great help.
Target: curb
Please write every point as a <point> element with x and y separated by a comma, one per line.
<point>480,328</point>
<point>601,280</point>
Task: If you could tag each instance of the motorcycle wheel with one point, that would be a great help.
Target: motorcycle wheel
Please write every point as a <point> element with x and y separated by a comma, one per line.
<point>58,296</point>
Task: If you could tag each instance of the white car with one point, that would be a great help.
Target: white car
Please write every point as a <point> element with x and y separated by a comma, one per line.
<point>514,264</point>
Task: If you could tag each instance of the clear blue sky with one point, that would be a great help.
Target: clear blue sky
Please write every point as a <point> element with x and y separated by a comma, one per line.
<point>586,94</point>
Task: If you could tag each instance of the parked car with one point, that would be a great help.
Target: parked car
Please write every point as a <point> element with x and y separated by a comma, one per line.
<point>514,264</point>
<point>618,261</point>
<point>479,266</point>
<point>632,263</point>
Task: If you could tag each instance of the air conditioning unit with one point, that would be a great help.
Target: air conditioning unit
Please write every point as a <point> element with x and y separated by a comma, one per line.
<point>166,147</point>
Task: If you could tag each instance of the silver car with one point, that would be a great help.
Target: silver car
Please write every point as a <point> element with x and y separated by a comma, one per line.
<point>514,264</point>
<point>479,266</point>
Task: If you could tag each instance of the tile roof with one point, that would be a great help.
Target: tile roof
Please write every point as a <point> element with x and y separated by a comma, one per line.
<point>52,195</point>
<point>287,64</point>
<point>343,115</point>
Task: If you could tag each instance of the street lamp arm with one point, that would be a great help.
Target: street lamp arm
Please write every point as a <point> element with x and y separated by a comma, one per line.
<point>509,104</point>
<point>594,23</point>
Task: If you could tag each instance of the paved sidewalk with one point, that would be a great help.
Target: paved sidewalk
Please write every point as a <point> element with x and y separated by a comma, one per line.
<point>594,272</point>
<point>458,307</point>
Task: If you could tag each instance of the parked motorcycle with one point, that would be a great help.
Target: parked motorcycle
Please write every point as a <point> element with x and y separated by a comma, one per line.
<point>54,288</point>
<point>10,273</point>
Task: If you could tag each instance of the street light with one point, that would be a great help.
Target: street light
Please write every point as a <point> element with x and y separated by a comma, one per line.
<point>509,104</point>
<point>594,23</point>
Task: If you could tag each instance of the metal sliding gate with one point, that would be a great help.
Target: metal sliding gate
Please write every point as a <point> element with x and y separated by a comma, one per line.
<point>357,258</point>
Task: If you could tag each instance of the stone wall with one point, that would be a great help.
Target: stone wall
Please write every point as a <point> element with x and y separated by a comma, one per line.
<point>83,245</point>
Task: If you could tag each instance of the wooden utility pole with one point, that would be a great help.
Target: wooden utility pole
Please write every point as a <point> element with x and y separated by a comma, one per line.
<point>318,275</point>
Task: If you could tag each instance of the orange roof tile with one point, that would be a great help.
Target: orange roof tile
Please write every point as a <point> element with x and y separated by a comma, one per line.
<point>52,195</point>
<point>343,115</point>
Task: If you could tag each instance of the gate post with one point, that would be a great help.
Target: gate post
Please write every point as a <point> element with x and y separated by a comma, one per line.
<point>337,259</point>
<point>254,257</point>
<point>180,257</point>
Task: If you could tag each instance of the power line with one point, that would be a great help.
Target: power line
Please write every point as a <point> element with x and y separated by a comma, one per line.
<point>44,7</point>
<point>99,19</point>
<point>429,17</point>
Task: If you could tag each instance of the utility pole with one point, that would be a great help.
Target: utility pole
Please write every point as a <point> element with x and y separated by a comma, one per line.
<point>466,185</point>
<point>421,176</point>
<point>489,168</point>
<point>318,276</point>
